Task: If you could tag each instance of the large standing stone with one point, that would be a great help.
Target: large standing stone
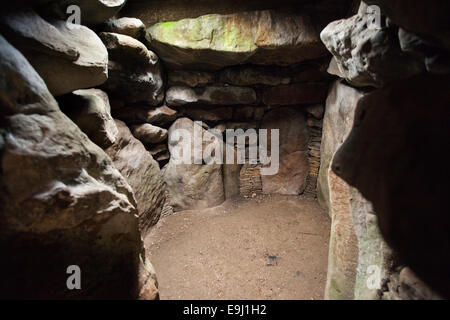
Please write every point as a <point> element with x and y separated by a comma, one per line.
<point>339,115</point>
<point>90,110</point>
<point>192,186</point>
<point>180,96</point>
<point>398,134</point>
<point>293,142</point>
<point>67,56</point>
<point>62,200</point>
<point>357,249</point>
<point>134,71</point>
<point>142,173</point>
<point>367,54</point>
<point>216,41</point>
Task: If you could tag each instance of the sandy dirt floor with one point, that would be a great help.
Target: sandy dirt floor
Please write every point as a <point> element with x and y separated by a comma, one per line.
<point>272,247</point>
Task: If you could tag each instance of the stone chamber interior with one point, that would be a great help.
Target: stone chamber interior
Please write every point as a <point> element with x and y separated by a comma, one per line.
<point>89,152</point>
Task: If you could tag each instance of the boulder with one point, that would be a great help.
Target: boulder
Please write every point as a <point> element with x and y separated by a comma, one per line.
<point>140,114</point>
<point>293,94</point>
<point>190,78</point>
<point>367,54</point>
<point>398,134</point>
<point>293,152</point>
<point>162,115</point>
<point>93,12</point>
<point>62,201</point>
<point>426,18</point>
<point>134,71</point>
<point>155,11</point>
<point>357,249</point>
<point>192,186</point>
<point>149,134</point>
<point>215,41</point>
<point>132,27</point>
<point>67,56</point>
<point>407,286</point>
<point>91,112</point>
<point>180,96</point>
<point>142,173</point>
<point>147,276</point>
<point>159,150</point>
<point>339,117</point>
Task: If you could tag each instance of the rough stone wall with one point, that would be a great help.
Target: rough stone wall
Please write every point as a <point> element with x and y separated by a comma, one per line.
<point>236,78</point>
<point>173,10</point>
<point>315,139</point>
<point>250,180</point>
<point>212,87</point>
<point>390,79</point>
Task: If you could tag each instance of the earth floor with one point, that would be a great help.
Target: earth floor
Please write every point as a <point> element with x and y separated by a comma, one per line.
<point>270,247</point>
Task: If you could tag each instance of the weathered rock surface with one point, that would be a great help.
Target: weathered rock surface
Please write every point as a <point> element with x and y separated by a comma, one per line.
<point>139,114</point>
<point>159,150</point>
<point>339,117</point>
<point>421,17</point>
<point>190,78</point>
<point>293,142</point>
<point>243,113</point>
<point>149,134</point>
<point>192,186</point>
<point>405,285</point>
<point>93,12</point>
<point>180,96</point>
<point>214,114</point>
<point>299,93</point>
<point>367,54</point>
<point>356,246</point>
<point>317,111</point>
<point>173,10</point>
<point>390,166</point>
<point>132,27</point>
<point>62,200</point>
<point>231,174</point>
<point>253,75</point>
<point>311,73</point>
<point>68,57</point>
<point>134,71</point>
<point>91,112</point>
<point>216,41</point>
<point>162,115</point>
<point>147,277</point>
<point>142,173</point>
